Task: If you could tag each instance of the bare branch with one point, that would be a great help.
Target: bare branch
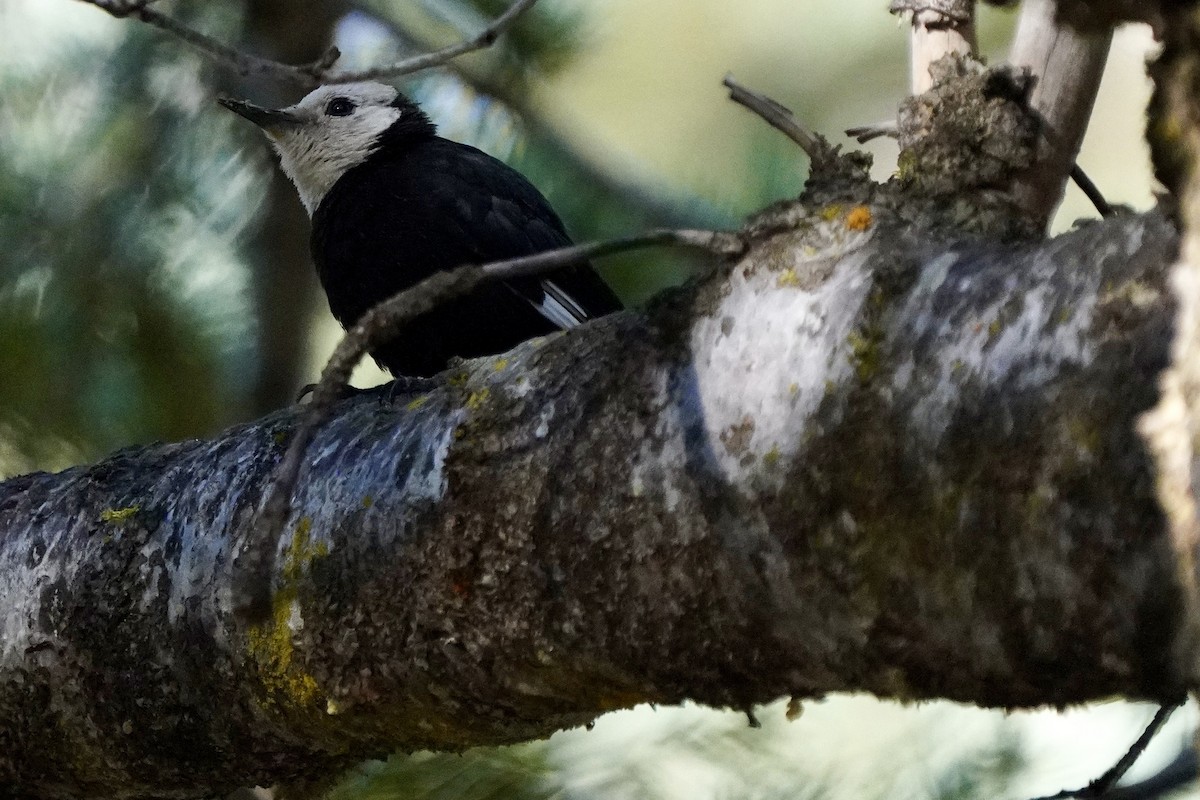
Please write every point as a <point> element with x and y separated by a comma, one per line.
<point>316,72</point>
<point>1089,188</point>
<point>218,52</point>
<point>486,38</point>
<point>778,116</point>
<point>1100,786</point>
<point>865,133</point>
<point>1068,66</point>
<point>939,28</point>
<point>253,590</point>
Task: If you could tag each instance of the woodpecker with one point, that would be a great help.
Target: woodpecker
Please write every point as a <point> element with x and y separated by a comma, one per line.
<point>392,203</point>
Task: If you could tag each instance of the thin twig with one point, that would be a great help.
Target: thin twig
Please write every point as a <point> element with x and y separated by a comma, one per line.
<point>779,117</point>
<point>242,63</point>
<point>865,133</point>
<point>1081,179</point>
<point>252,587</point>
<point>1101,785</point>
<point>1089,188</point>
<point>316,72</point>
<point>486,38</point>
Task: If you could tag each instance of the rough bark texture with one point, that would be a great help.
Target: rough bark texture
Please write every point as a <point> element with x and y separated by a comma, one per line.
<point>1173,430</point>
<point>866,457</point>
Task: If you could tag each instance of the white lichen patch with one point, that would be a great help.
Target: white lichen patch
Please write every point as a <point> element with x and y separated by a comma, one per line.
<point>545,417</point>
<point>1021,340</point>
<point>407,461</point>
<point>24,580</point>
<point>413,458</point>
<point>654,468</point>
<point>759,381</point>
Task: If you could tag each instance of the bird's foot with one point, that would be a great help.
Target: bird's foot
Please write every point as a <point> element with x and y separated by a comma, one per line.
<point>404,385</point>
<point>343,393</point>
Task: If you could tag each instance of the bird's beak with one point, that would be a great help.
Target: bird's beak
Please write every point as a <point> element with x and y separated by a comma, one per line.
<point>269,119</point>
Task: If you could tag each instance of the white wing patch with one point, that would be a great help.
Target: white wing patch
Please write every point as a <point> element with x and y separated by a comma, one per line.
<point>558,307</point>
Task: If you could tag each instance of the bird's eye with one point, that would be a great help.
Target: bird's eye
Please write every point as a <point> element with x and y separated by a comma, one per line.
<point>340,107</point>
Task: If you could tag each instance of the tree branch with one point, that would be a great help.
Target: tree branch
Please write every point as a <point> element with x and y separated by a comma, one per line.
<point>869,456</point>
<point>1068,65</point>
<point>320,71</point>
<point>938,28</point>
<point>1101,786</point>
<point>252,598</point>
<point>779,117</point>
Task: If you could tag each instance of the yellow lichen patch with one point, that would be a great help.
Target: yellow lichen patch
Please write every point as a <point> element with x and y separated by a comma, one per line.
<point>788,278</point>
<point>119,514</point>
<point>864,348</point>
<point>302,551</point>
<point>368,501</point>
<point>772,457</point>
<point>831,212</point>
<point>458,379</point>
<point>417,402</point>
<point>995,328</point>
<point>1086,437</point>
<point>793,388</point>
<point>272,648</point>
<point>499,364</point>
<point>859,218</point>
<point>271,644</point>
<point>476,400</point>
<point>279,437</point>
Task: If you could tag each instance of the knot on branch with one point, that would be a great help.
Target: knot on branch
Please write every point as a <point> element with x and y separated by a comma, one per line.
<point>970,135</point>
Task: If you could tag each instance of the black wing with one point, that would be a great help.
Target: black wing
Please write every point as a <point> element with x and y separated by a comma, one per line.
<point>399,218</point>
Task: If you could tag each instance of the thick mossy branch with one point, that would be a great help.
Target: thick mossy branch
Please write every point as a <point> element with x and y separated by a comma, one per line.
<point>867,457</point>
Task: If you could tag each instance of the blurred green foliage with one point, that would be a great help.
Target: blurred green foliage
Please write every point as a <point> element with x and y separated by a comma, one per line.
<point>121,318</point>
<point>497,773</point>
<point>687,752</point>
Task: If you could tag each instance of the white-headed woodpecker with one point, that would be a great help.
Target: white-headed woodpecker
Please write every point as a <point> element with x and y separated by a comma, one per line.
<point>392,203</point>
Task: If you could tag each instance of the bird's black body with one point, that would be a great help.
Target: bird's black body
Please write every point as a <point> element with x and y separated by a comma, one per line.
<point>419,204</point>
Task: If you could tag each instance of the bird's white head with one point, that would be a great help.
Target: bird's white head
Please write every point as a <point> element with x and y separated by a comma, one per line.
<point>333,129</point>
